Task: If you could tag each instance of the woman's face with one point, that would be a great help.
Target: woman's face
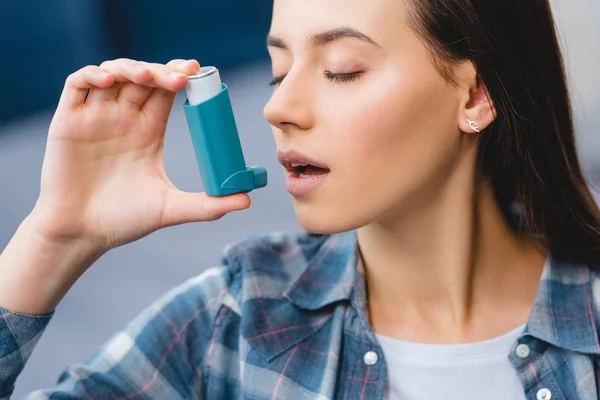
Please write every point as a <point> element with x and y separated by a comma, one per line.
<point>361,97</point>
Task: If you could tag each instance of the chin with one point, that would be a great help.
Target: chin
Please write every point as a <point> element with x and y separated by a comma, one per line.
<point>326,220</point>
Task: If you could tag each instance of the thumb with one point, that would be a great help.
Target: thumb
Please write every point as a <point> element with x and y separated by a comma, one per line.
<point>182,207</point>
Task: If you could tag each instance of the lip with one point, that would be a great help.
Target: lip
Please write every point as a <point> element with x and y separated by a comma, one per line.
<point>296,185</point>
<point>286,158</point>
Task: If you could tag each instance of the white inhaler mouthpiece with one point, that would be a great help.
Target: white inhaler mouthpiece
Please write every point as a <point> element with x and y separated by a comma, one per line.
<point>203,86</point>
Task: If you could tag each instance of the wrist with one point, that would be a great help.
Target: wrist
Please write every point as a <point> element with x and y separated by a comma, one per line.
<point>51,226</point>
<point>36,271</point>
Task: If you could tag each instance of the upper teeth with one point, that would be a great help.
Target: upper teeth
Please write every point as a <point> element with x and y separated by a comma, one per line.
<point>294,165</point>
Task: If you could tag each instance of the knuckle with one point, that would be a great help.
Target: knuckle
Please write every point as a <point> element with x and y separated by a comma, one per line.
<point>116,63</point>
<point>79,74</point>
<point>141,64</point>
<point>124,60</point>
<point>92,69</point>
<point>89,68</point>
<point>107,64</point>
<point>72,77</point>
<point>155,66</point>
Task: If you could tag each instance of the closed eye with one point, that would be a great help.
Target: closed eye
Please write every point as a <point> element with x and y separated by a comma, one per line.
<point>342,77</point>
<point>338,78</point>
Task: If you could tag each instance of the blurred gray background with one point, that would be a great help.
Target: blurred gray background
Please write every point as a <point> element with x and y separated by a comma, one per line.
<point>41,42</point>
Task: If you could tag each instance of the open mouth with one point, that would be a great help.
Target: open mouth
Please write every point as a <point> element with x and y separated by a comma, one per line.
<point>304,174</point>
<point>299,170</point>
<point>299,165</point>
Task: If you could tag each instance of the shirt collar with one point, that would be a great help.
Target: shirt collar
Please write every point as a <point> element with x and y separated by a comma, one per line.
<point>564,312</point>
<point>330,275</point>
<point>326,268</point>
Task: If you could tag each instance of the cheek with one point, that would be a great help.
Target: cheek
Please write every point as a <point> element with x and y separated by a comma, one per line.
<point>405,121</point>
<point>392,141</point>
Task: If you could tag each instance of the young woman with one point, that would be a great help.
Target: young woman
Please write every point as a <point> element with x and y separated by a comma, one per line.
<point>429,146</point>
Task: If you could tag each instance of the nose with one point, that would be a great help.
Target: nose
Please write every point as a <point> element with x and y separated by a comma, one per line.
<point>290,104</point>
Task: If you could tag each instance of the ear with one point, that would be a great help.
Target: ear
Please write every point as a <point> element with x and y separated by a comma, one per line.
<point>478,111</point>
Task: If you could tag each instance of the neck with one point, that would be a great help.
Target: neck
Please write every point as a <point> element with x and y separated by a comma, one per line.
<point>451,269</point>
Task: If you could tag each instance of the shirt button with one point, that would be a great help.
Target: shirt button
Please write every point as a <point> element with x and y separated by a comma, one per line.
<point>370,358</point>
<point>523,351</point>
<point>544,394</point>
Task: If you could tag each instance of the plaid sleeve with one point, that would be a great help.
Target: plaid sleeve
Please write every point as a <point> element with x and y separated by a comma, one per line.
<point>158,355</point>
<point>19,333</point>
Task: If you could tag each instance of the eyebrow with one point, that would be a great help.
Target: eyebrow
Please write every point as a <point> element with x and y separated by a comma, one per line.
<point>323,38</point>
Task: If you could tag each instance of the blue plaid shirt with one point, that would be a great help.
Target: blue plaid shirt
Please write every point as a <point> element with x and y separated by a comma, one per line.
<point>285,318</point>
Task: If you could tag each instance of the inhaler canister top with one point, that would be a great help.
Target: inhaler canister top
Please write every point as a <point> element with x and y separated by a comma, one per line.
<point>203,86</point>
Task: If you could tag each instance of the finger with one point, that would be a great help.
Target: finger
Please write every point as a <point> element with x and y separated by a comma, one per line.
<point>174,64</point>
<point>139,79</point>
<point>166,78</point>
<point>182,207</point>
<point>152,74</point>
<point>123,71</point>
<point>103,94</point>
<point>160,102</point>
<point>136,95</point>
<point>186,67</point>
<point>166,81</point>
<point>78,84</point>
<point>126,70</point>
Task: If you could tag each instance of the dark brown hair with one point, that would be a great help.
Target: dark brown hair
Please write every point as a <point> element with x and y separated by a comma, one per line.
<point>529,151</point>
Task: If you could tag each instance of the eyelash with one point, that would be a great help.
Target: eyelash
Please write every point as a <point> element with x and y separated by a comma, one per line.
<point>337,78</point>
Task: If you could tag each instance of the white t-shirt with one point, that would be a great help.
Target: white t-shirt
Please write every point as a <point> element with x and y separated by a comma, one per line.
<point>471,371</point>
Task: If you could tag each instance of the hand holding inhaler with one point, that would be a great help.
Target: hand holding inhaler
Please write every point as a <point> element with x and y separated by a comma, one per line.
<point>103,178</point>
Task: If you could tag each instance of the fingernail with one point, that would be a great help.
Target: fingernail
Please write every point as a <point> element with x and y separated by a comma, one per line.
<point>140,68</point>
<point>103,74</point>
<point>175,75</point>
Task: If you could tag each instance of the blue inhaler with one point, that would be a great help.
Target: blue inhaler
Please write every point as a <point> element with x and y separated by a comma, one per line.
<point>215,137</point>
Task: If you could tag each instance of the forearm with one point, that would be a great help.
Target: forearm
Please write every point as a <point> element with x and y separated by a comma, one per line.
<point>36,273</point>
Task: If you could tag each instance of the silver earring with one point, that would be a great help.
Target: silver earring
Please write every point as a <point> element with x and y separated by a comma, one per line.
<point>473,125</point>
